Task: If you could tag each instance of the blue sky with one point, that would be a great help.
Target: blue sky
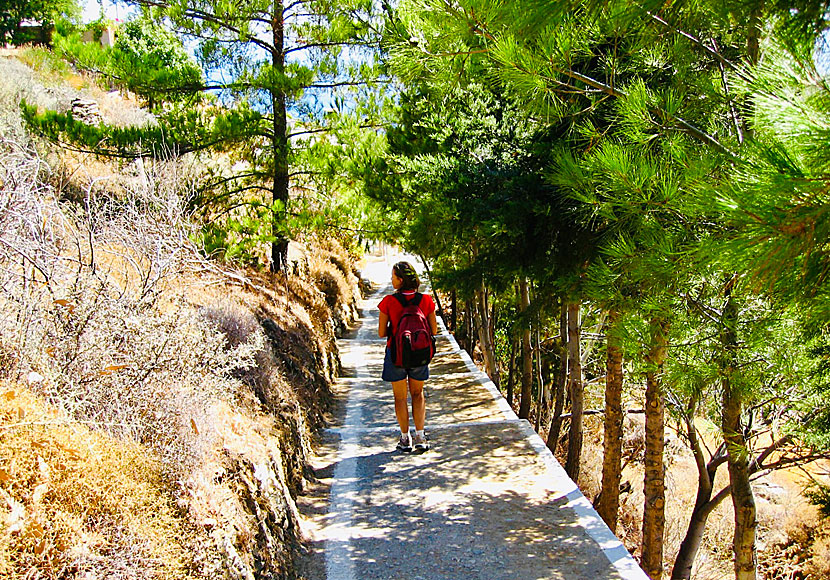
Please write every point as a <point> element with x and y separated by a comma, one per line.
<point>113,11</point>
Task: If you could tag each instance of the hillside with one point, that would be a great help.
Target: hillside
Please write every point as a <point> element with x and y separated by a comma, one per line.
<point>157,406</point>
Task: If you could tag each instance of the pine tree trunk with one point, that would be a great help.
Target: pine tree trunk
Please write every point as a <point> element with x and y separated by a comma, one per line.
<point>690,546</point>
<point>608,501</point>
<point>576,391</point>
<point>279,192</point>
<point>454,306</point>
<point>527,362</point>
<point>544,388</point>
<point>511,375</point>
<point>492,329</point>
<point>654,516</point>
<point>743,500</point>
<point>561,382</point>
<point>469,333</point>
<point>484,335</point>
<point>438,306</point>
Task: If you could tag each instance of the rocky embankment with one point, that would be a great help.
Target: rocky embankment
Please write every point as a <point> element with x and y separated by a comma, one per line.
<point>156,407</point>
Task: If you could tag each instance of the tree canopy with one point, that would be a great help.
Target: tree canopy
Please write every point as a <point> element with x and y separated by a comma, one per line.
<point>13,12</point>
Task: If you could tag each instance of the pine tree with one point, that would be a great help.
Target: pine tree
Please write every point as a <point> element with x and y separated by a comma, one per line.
<point>685,81</point>
<point>267,58</point>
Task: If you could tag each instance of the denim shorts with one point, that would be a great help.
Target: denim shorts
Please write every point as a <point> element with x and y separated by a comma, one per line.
<point>394,374</point>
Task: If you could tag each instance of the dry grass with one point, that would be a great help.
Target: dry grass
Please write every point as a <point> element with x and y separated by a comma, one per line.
<point>76,501</point>
<point>151,365</point>
<point>792,542</point>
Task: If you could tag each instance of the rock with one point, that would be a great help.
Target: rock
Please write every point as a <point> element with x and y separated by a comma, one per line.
<point>297,257</point>
<point>769,491</point>
<point>86,111</point>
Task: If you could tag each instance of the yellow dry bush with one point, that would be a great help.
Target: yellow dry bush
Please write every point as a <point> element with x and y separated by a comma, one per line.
<point>73,500</point>
<point>331,272</point>
<point>330,280</point>
<point>337,255</point>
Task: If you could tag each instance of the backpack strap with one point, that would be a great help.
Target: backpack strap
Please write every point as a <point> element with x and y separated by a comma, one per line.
<point>416,299</point>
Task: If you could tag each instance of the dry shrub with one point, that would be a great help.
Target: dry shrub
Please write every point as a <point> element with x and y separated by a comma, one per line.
<point>19,83</point>
<point>331,282</point>
<point>330,277</point>
<point>241,330</point>
<point>818,566</point>
<point>301,336</point>
<point>79,288</point>
<point>76,502</point>
<point>331,272</point>
<point>793,539</point>
<point>339,257</point>
<point>145,375</point>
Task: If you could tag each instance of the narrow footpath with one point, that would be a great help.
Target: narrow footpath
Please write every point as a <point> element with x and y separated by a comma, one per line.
<point>488,501</point>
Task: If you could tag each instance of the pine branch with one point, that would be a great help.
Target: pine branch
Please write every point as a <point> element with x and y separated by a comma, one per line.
<point>481,30</point>
<point>228,179</point>
<point>329,129</point>
<point>179,89</point>
<point>758,462</point>
<point>697,42</point>
<point>225,195</point>
<point>323,45</point>
<point>614,92</point>
<point>711,313</point>
<point>292,6</point>
<point>226,24</point>
<point>334,85</point>
<point>174,149</point>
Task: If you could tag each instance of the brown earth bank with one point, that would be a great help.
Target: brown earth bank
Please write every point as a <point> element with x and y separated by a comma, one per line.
<point>82,498</point>
<point>156,407</point>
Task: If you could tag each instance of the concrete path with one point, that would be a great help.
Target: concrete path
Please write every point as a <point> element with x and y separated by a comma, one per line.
<point>488,501</point>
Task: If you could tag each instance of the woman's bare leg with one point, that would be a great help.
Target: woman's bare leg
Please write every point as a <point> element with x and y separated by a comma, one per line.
<point>419,409</point>
<point>401,409</point>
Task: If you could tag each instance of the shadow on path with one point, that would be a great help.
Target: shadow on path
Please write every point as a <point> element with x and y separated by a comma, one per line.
<point>488,501</point>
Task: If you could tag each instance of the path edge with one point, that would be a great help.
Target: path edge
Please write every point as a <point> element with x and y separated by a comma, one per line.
<point>609,543</point>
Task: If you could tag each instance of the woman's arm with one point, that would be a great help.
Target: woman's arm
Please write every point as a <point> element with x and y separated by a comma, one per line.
<point>383,320</point>
<point>433,323</point>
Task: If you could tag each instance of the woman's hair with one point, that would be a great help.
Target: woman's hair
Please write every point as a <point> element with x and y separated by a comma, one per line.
<point>407,273</point>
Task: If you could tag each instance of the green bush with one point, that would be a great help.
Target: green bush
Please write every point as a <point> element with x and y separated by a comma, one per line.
<point>12,12</point>
<point>152,62</point>
<point>819,496</point>
<point>146,59</point>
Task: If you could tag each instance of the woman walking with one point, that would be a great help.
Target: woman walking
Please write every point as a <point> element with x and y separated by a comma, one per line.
<point>405,281</point>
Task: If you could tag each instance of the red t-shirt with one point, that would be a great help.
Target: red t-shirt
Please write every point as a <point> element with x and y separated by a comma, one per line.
<point>393,309</point>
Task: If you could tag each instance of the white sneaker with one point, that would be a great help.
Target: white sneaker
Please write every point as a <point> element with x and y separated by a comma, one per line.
<point>405,443</point>
<point>421,443</point>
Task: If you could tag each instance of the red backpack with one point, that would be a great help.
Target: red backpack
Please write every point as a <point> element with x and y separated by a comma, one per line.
<point>412,342</point>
